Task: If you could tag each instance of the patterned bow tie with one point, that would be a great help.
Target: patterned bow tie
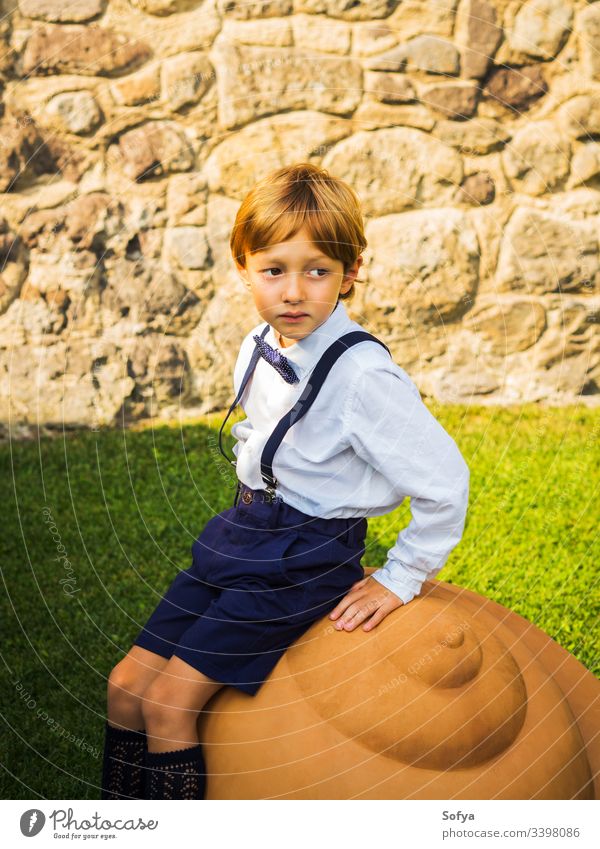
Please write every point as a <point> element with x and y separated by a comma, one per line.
<point>277,360</point>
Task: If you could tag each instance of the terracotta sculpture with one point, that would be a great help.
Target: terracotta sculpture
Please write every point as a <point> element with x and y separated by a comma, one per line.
<point>452,696</point>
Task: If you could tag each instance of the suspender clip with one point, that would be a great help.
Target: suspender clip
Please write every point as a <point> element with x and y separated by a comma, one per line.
<point>238,489</point>
<point>270,489</point>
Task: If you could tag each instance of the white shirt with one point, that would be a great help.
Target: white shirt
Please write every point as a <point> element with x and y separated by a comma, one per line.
<point>366,444</point>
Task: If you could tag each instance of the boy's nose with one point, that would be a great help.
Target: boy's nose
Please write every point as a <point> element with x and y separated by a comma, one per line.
<point>293,286</point>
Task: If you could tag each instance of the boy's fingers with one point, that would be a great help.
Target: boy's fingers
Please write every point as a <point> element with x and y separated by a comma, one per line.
<point>351,611</point>
<point>343,603</point>
<point>375,619</point>
<point>347,600</point>
<point>359,611</point>
<point>339,608</point>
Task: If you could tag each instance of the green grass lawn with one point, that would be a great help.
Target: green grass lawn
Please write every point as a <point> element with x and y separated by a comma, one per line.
<point>98,524</point>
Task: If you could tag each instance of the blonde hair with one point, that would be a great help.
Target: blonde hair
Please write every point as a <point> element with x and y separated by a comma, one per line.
<point>295,196</point>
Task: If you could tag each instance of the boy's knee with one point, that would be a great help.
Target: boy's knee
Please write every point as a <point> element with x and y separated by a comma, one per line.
<point>123,686</point>
<point>155,705</point>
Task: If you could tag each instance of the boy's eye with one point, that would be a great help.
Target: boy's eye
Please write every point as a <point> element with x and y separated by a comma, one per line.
<point>266,270</point>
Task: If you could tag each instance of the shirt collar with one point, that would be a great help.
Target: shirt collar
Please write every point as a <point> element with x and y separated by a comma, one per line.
<point>305,353</point>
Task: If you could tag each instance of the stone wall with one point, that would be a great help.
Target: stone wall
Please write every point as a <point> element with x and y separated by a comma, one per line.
<point>131,129</point>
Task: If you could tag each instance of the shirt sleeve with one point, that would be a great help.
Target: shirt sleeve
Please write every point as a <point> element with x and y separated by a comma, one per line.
<point>389,427</point>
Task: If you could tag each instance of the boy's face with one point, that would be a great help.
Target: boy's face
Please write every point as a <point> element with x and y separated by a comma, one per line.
<point>295,277</point>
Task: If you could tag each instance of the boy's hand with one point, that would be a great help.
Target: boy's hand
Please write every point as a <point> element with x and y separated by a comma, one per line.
<point>367,600</point>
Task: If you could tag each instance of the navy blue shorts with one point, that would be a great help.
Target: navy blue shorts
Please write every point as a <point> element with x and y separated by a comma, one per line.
<point>261,574</point>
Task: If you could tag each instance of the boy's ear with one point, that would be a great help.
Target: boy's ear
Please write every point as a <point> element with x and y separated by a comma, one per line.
<point>351,274</point>
<point>243,275</point>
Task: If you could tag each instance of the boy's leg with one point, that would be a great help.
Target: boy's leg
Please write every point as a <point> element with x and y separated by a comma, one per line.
<point>127,684</point>
<point>125,743</point>
<point>170,706</point>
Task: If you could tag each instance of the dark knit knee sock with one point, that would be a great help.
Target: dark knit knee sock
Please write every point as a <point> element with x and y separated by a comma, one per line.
<point>177,774</point>
<point>123,763</point>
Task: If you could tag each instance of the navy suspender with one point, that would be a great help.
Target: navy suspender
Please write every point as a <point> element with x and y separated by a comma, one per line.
<point>245,379</point>
<point>304,402</point>
<point>307,399</point>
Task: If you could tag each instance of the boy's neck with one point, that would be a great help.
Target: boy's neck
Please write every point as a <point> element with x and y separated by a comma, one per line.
<point>280,341</point>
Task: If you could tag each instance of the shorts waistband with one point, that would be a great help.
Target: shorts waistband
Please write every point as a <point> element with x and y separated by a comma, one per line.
<point>275,512</point>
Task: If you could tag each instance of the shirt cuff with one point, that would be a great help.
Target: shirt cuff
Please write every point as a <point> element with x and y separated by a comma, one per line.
<point>405,588</point>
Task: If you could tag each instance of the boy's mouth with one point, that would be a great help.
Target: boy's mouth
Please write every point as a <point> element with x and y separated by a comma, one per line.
<point>292,314</point>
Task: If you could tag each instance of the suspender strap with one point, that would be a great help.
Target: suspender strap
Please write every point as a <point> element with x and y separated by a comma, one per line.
<point>245,379</point>
<point>307,399</point>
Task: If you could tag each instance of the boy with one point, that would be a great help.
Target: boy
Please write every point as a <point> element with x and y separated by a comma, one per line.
<point>308,475</point>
